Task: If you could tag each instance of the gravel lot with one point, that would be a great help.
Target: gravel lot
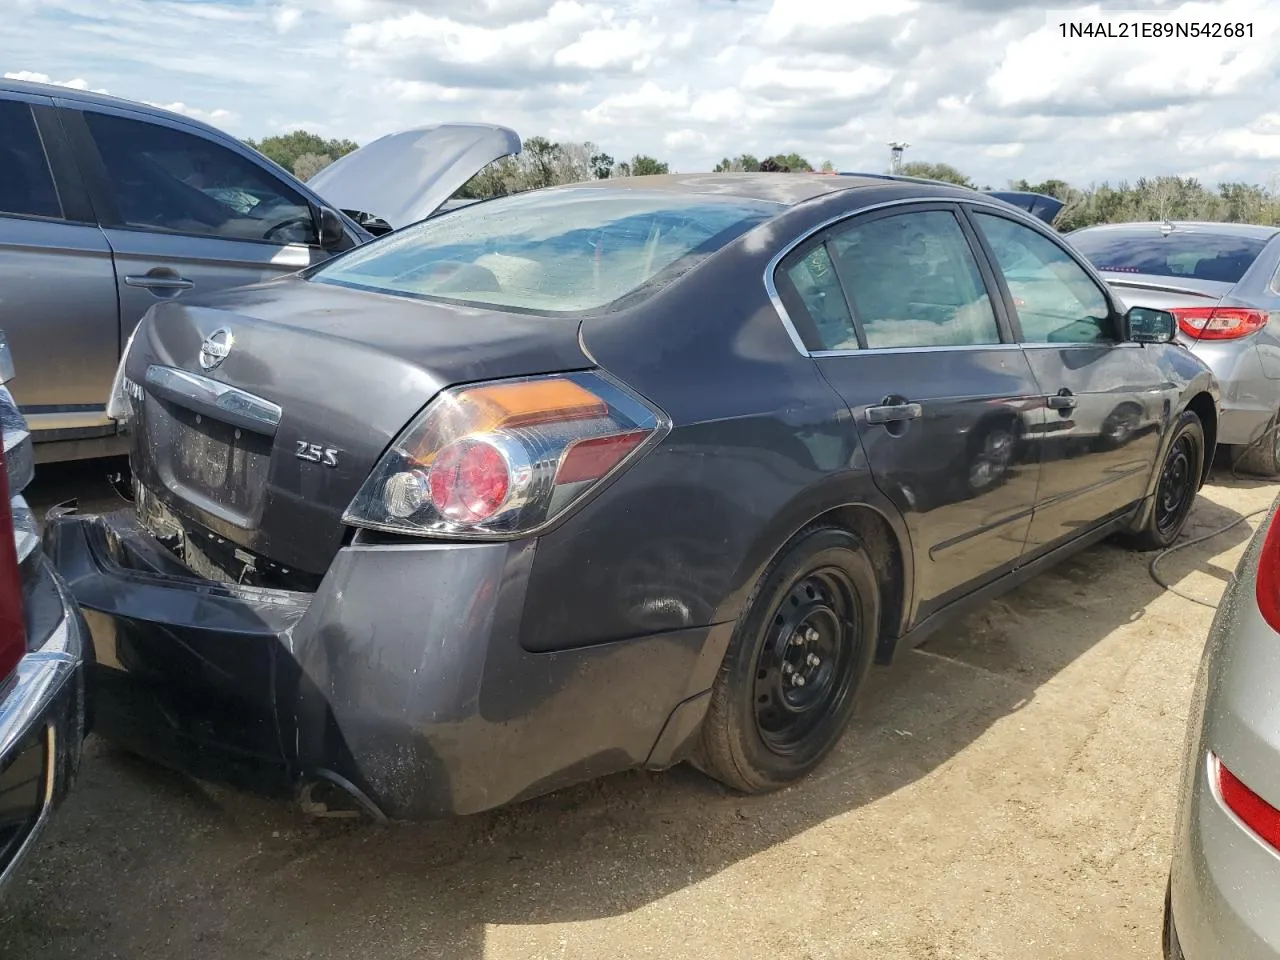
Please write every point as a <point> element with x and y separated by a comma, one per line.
<point>1006,792</point>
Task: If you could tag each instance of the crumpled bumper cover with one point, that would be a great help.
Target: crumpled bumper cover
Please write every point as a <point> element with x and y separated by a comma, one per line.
<point>401,678</point>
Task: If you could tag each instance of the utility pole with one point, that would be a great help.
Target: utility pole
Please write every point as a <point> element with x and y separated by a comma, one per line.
<point>895,155</point>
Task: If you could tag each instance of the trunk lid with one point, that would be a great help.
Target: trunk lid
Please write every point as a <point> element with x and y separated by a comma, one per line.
<point>1166,293</point>
<point>404,177</point>
<point>264,441</point>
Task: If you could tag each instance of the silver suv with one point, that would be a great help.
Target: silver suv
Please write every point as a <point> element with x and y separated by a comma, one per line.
<point>108,207</point>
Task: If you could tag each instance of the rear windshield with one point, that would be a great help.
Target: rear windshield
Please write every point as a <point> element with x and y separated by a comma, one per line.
<point>1196,256</point>
<point>558,251</point>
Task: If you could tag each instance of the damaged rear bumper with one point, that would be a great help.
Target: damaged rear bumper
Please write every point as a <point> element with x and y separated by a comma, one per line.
<point>401,678</point>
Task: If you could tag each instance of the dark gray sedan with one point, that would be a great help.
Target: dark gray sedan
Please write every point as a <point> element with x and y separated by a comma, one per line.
<point>606,476</point>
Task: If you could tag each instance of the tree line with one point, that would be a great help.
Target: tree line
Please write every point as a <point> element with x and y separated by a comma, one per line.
<point>544,163</point>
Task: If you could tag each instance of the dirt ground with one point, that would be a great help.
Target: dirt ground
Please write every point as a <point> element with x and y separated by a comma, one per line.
<point>1006,792</point>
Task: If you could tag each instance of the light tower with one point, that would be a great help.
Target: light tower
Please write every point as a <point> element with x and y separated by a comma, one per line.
<point>895,155</point>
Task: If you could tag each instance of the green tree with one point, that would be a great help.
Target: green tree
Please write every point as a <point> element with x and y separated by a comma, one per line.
<point>286,148</point>
<point>541,153</point>
<point>309,164</point>
<point>601,166</point>
<point>643,165</point>
<point>792,162</point>
<point>936,171</point>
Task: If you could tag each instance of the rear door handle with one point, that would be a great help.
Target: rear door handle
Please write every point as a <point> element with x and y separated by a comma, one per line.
<point>148,282</point>
<point>893,412</point>
<point>1062,400</point>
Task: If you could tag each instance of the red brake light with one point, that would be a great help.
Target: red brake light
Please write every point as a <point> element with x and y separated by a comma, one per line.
<point>469,481</point>
<point>1267,583</point>
<point>1219,323</point>
<point>13,630</point>
<point>1258,815</point>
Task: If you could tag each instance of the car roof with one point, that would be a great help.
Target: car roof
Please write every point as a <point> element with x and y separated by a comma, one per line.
<point>788,189</point>
<point>90,98</point>
<point>1255,230</point>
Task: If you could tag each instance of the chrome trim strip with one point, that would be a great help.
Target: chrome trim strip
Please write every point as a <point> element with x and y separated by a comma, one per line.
<point>880,351</point>
<point>218,398</point>
<point>1008,210</point>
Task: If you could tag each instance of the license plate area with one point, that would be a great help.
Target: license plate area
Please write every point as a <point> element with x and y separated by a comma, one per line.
<point>215,465</point>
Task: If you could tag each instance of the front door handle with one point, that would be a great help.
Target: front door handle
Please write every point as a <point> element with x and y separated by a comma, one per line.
<point>1062,401</point>
<point>149,282</point>
<point>893,412</point>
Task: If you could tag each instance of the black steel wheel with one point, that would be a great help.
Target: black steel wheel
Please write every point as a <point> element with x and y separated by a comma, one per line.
<point>1177,483</point>
<point>786,690</point>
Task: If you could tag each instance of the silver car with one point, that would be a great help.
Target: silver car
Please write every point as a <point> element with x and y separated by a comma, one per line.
<point>1222,282</point>
<point>1225,878</point>
<point>108,207</point>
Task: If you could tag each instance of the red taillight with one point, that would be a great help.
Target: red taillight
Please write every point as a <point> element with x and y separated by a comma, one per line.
<point>1258,815</point>
<point>1267,582</point>
<point>13,631</point>
<point>592,459</point>
<point>1219,323</point>
<point>469,481</point>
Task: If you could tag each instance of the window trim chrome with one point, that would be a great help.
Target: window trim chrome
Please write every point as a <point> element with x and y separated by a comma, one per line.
<point>1012,213</point>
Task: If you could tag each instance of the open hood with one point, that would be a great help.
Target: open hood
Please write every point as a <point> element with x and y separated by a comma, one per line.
<point>404,177</point>
<point>1038,204</point>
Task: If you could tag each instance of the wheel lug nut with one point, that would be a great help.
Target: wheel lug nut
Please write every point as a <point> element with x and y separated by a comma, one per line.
<point>787,668</point>
<point>811,635</point>
<point>797,680</point>
<point>812,660</point>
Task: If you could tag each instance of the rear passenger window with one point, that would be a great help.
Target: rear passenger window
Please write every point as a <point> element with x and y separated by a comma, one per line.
<point>914,282</point>
<point>814,278</point>
<point>26,185</point>
<point>165,179</point>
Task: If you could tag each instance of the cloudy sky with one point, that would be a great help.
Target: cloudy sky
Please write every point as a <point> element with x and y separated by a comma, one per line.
<point>990,86</point>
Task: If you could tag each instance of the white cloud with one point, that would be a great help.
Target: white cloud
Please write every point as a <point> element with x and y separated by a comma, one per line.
<point>989,86</point>
<point>32,77</point>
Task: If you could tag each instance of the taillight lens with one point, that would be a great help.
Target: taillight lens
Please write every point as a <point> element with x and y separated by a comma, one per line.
<point>1258,815</point>
<point>13,631</point>
<point>1267,582</point>
<point>1219,323</point>
<point>505,458</point>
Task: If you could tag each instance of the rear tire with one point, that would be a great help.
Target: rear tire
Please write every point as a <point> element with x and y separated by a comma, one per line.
<point>790,679</point>
<point>1180,473</point>
<point>1262,457</point>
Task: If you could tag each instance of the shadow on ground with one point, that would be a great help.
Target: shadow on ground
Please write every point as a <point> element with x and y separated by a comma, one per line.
<point>143,863</point>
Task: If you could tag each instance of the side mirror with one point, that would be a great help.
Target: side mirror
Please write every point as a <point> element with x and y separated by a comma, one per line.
<point>333,232</point>
<point>1147,325</point>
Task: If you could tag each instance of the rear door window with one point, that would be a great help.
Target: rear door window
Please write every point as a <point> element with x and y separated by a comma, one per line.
<point>914,281</point>
<point>26,184</point>
<point>167,180</point>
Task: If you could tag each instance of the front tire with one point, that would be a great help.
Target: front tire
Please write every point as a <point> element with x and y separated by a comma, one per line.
<point>789,682</point>
<point>1180,473</point>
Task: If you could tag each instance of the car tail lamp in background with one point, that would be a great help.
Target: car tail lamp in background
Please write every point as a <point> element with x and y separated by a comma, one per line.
<point>1256,814</point>
<point>13,633</point>
<point>505,458</point>
<point>1219,323</point>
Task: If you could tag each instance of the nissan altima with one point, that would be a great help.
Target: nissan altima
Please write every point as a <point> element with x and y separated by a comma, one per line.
<point>606,476</point>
